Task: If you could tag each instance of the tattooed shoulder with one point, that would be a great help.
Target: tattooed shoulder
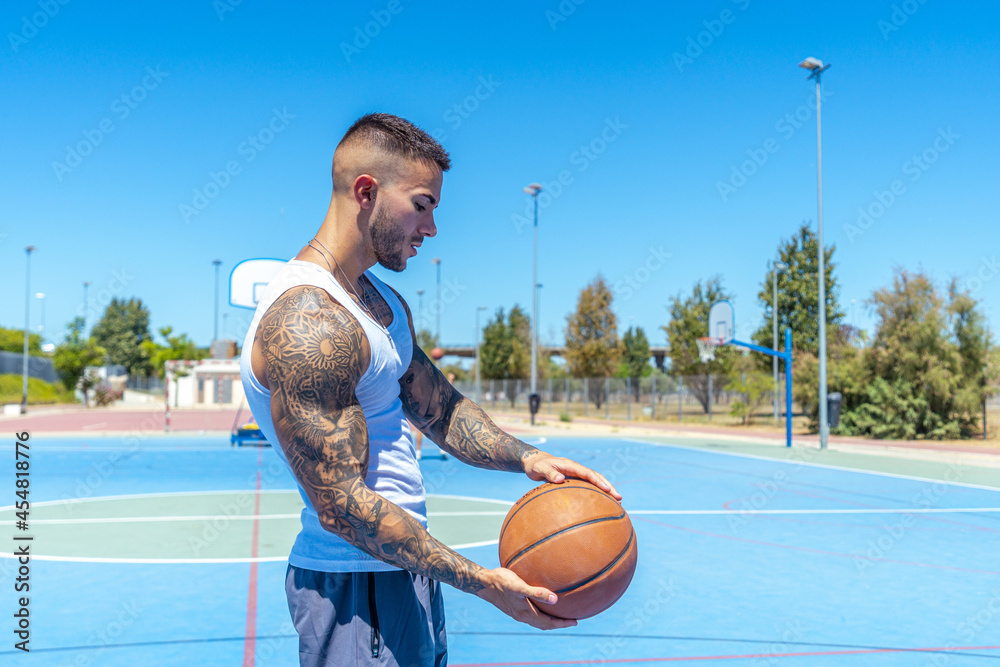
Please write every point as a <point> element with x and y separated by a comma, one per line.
<point>313,346</point>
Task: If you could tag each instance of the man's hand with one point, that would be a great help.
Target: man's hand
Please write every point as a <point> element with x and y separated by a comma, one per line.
<point>541,466</point>
<point>508,593</point>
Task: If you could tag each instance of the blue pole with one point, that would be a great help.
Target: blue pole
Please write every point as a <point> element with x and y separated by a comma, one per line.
<point>788,386</point>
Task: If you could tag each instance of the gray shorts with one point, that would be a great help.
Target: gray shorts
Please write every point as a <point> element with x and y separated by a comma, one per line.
<point>367,618</point>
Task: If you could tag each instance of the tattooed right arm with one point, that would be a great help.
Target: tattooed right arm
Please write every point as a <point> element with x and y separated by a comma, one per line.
<point>316,352</point>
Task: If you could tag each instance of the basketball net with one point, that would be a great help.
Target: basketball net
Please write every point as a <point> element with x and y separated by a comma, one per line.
<point>706,348</point>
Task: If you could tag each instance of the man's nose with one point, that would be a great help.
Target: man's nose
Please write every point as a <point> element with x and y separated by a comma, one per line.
<point>429,228</point>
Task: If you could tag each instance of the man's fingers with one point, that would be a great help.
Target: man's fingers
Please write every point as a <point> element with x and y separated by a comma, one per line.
<point>543,595</point>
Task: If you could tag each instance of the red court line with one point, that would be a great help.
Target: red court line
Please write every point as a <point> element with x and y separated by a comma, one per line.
<point>250,637</point>
<point>815,551</point>
<point>745,656</point>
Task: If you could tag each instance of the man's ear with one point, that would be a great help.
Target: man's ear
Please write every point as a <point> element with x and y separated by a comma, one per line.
<point>365,189</point>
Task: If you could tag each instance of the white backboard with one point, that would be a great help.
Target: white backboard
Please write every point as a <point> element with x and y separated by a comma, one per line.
<point>249,278</point>
<point>722,321</point>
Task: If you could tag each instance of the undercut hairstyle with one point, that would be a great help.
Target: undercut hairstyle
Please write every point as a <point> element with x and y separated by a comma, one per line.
<point>382,132</point>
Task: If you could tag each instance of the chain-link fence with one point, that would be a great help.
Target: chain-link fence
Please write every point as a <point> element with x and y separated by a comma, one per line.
<point>662,398</point>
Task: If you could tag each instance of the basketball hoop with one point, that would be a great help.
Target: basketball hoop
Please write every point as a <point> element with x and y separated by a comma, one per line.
<point>706,348</point>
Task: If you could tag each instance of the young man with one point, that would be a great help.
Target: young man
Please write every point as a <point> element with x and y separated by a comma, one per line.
<point>332,375</point>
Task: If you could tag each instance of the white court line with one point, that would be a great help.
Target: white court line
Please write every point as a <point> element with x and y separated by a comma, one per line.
<point>814,465</point>
<point>214,517</point>
<point>166,494</point>
<point>153,561</point>
<point>154,519</point>
<point>222,517</point>
<point>919,510</point>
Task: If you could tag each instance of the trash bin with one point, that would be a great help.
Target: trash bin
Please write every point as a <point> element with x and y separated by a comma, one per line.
<point>833,402</point>
<point>534,402</point>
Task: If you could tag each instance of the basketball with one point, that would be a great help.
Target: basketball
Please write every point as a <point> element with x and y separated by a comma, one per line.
<point>573,539</point>
<point>437,353</point>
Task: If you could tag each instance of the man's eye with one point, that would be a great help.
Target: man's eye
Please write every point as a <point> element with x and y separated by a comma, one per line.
<point>419,207</point>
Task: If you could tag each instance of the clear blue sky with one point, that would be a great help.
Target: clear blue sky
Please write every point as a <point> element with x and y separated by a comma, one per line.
<point>198,80</point>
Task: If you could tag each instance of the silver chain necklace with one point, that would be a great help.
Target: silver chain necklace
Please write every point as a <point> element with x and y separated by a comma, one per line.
<point>361,300</point>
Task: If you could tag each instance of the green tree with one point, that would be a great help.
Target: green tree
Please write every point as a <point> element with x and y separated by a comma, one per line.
<point>635,358</point>
<point>592,346</point>
<point>74,355</point>
<point>688,322</point>
<point>745,378</point>
<point>505,351</point>
<point>121,331</point>
<point>928,368</point>
<point>177,347</point>
<point>798,295</point>
<point>426,341</point>
<point>12,340</point>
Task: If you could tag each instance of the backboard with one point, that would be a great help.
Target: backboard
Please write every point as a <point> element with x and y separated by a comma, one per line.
<point>249,278</point>
<point>722,322</point>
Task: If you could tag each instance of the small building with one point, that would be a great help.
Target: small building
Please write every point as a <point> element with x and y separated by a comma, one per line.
<point>204,383</point>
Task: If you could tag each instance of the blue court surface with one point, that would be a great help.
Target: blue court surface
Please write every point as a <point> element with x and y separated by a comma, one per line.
<point>170,551</point>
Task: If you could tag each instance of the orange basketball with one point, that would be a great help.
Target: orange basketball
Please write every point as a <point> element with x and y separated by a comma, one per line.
<point>573,539</point>
<point>437,353</point>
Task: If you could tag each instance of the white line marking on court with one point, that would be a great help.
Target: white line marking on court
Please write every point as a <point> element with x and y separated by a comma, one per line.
<point>918,510</point>
<point>475,544</point>
<point>151,519</point>
<point>814,465</point>
<point>481,500</point>
<point>153,561</point>
<point>213,517</point>
<point>130,496</point>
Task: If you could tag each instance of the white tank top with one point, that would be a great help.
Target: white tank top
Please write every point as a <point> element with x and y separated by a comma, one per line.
<point>393,471</point>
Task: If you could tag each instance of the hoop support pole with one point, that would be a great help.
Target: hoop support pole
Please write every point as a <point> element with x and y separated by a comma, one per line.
<point>787,357</point>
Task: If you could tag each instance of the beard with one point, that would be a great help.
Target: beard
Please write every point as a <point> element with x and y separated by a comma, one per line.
<point>387,240</point>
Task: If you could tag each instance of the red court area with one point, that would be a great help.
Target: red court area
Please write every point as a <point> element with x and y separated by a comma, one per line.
<point>102,420</point>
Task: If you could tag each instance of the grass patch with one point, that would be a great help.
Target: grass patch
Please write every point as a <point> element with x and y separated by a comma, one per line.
<point>39,391</point>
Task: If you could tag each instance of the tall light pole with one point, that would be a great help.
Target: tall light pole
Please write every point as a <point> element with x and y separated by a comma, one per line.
<point>437,261</point>
<point>27,315</point>
<point>420,311</point>
<point>86,305</point>
<point>778,266</point>
<point>538,291</point>
<point>533,189</point>
<point>215,321</point>
<point>41,327</point>
<point>817,67</point>
<point>479,383</point>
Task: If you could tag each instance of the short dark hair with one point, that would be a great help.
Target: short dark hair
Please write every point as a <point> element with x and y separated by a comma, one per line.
<point>397,136</point>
